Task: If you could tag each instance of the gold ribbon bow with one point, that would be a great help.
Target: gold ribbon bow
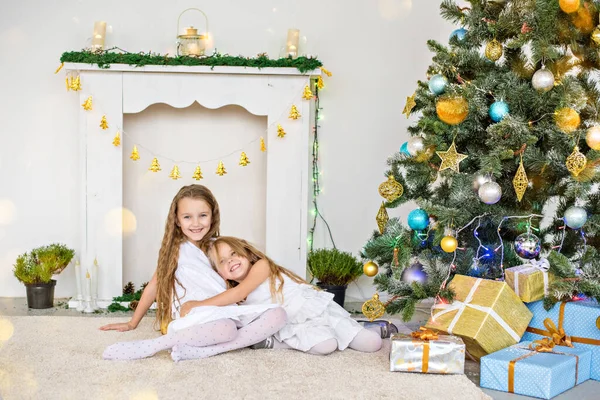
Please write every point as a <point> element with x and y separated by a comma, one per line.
<point>558,335</point>
<point>424,334</point>
<point>544,345</point>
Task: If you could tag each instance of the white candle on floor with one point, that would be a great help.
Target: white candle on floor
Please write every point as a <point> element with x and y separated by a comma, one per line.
<point>78,278</point>
<point>88,285</point>
<point>95,279</point>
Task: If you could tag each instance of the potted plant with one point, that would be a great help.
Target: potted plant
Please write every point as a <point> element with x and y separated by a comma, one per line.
<point>35,270</point>
<point>334,270</point>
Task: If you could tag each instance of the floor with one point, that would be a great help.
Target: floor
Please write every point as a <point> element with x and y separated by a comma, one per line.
<point>17,306</point>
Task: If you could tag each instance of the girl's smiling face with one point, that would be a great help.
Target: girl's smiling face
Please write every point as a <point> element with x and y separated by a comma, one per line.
<point>230,265</point>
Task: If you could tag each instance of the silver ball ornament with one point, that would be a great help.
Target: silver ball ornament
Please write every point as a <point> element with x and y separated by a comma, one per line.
<point>490,192</point>
<point>479,180</point>
<point>415,145</point>
<point>528,246</point>
<point>543,80</point>
<point>575,217</point>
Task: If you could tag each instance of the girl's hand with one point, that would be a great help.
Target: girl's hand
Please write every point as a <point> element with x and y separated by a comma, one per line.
<point>186,308</point>
<point>120,327</point>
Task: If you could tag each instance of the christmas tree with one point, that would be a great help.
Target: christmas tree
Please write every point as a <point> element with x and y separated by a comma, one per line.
<point>503,157</point>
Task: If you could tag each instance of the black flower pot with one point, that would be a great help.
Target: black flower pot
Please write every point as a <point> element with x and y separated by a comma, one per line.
<point>40,295</point>
<point>339,292</point>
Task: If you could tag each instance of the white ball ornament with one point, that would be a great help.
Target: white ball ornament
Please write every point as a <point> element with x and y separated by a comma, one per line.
<point>490,192</point>
<point>415,145</point>
<point>543,80</point>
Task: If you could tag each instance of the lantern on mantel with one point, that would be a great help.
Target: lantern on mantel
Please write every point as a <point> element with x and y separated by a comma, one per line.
<point>191,43</point>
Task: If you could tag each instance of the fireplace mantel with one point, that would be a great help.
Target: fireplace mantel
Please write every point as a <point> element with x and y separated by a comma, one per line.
<point>123,89</point>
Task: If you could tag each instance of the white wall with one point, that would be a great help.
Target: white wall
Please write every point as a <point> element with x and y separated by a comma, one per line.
<point>375,49</point>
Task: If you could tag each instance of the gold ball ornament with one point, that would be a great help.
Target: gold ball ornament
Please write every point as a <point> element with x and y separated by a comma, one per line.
<point>569,6</point>
<point>449,244</point>
<point>493,50</point>
<point>596,35</point>
<point>391,189</point>
<point>567,119</point>
<point>373,308</point>
<point>370,269</point>
<point>592,137</point>
<point>583,19</point>
<point>452,110</point>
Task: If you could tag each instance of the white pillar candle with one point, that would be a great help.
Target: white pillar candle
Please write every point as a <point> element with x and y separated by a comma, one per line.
<point>99,35</point>
<point>95,279</point>
<point>293,37</point>
<point>88,285</point>
<point>78,278</point>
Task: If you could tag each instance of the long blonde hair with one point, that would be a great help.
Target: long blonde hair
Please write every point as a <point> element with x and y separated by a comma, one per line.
<point>169,250</point>
<point>245,249</point>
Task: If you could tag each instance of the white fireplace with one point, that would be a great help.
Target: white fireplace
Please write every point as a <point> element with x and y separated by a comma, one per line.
<point>124,89</point>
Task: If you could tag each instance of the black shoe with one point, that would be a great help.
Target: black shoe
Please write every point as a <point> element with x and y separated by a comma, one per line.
<point>386,328</point>
<point>265,344</point>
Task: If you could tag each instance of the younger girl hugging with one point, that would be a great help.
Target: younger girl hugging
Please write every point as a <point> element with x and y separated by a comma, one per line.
<point>316,324</point>
<point>184,273</point>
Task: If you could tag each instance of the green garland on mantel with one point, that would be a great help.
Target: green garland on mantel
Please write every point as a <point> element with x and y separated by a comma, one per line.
<point>107,57</point>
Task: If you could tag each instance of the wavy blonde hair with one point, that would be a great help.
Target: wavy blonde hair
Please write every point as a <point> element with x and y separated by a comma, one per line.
<point>169,249</point>
<point>245,249</point>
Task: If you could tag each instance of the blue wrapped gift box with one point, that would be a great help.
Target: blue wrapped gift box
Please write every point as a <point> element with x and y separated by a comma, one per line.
<point>543,375</point>
<point>580,320</point>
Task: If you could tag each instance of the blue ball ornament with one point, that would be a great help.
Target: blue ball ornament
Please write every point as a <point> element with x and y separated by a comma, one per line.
<point>575,217</point>
<point>404,149</point>
<point>418,219</point>
<point>437,84</point>
<point>414,273</point>
<point>528,246</point>
<point>459,34</point>
<point>498,110</point>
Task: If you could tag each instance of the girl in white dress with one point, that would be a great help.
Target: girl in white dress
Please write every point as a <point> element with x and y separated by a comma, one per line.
<point>316,324</point>
<point>184,273</point>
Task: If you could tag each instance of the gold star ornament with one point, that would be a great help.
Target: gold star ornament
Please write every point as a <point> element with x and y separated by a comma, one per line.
<point>410,104</point>
<point>450,158</point>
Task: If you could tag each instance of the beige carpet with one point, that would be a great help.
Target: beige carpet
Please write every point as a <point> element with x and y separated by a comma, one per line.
<point>60,358</point>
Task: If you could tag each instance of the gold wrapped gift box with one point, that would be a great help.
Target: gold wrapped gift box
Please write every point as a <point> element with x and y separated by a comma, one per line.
<point>443,355</point>
<point>486,314</point>
<point>529,282</point>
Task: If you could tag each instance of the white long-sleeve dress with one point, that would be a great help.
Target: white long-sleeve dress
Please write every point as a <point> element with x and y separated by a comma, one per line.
<point>198,281</point>
<point>313,316</point>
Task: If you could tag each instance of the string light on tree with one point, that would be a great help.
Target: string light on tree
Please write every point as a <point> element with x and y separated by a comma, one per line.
<point>294,113</point>
<point>87,104</point>
<point>221,169</point>
<point>154,166</point>
<point>280,131</point>
<point>134,154</point>
<point>175,173</point>
<point>370,268</point>
<point>103,122</point>
<point>244,161</point>
<point>117,140</point>
<point>197,173</point>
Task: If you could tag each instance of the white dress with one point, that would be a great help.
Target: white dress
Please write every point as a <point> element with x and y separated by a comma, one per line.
<point>198,281</point>
<point>313,316</point>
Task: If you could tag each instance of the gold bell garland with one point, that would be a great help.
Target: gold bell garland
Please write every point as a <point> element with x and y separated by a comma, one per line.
<point>326,72</point>
<point>244,159</point>
<point>373,308</point>
<point>410,104</point>
<point>68,83</point>
<point>307,94</point>
<point>175,173</point>
<point>155,166</point>
<point>382,218</point>
<point>320,83</point>
<point>263,148</point>
<point>391,189</point>
<point>280,131</point>
<point>451,158</point>
<point>117,140</point>
<point>76,84</point>
<point>520,181</point>
<point>87,104</point>
<point>221,169</point>
<point>59,68</point>
<point>576,162</point>
<point>197,173</point>
<point>103,123</point>
<point>294,113</point>
<point>134,154</point>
